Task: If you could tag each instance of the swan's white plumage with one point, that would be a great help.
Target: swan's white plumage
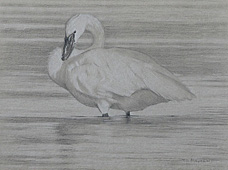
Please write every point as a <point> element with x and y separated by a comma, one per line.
<point>114,78</point>
<point>103,72</point>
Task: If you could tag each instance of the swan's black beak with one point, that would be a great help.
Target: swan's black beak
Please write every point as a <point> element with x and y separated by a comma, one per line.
<point>68,46</point>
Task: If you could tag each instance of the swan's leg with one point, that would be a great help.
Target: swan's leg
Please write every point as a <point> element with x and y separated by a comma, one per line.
<point>103,106</point>
<point>128,114</point>
<point>105,115</point>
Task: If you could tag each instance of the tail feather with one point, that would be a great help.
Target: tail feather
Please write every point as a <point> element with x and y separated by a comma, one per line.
<point>163,83</point>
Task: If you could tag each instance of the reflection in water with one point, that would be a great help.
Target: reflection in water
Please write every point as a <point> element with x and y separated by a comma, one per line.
<point>87,141</point>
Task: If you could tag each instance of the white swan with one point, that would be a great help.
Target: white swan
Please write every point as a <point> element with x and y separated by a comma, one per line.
<point>110,78</point>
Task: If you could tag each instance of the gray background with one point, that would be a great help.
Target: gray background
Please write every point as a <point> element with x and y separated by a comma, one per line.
<point>43,127</point>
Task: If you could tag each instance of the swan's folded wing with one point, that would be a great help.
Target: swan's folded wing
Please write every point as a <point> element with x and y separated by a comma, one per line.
<point>124,76</point>
<point>119,79</point>
<point>84,78</point>
<point>161,81</point>
<point>102,80</point>
<point>132,75</point>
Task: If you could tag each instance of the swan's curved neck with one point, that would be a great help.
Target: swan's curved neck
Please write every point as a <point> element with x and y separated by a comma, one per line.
<point>82,23</point>
<point>94,26</point>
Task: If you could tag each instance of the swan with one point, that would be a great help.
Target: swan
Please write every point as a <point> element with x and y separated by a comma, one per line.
<point>113,78</point>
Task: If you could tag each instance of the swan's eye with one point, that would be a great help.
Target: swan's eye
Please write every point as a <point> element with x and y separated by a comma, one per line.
<point>75,31</point>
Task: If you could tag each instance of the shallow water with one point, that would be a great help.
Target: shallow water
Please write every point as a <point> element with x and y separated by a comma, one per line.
<point>44,127</point>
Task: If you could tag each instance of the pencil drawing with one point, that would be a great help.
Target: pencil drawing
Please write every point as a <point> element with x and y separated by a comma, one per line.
<point>110,78</point>
<point>131,54</point>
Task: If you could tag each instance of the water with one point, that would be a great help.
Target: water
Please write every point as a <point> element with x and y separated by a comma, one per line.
<point>44,127</point>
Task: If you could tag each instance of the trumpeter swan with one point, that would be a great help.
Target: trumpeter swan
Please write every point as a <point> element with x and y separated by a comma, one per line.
<point>110,78</point>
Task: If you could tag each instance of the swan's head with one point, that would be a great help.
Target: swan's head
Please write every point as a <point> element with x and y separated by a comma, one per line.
<point>75,27</point>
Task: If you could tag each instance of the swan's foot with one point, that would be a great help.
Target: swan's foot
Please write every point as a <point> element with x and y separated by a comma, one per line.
<point>105,115</point>
<point>128,114</point>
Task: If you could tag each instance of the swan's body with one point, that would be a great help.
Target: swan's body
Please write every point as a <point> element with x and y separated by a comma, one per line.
<point>113,78</point>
